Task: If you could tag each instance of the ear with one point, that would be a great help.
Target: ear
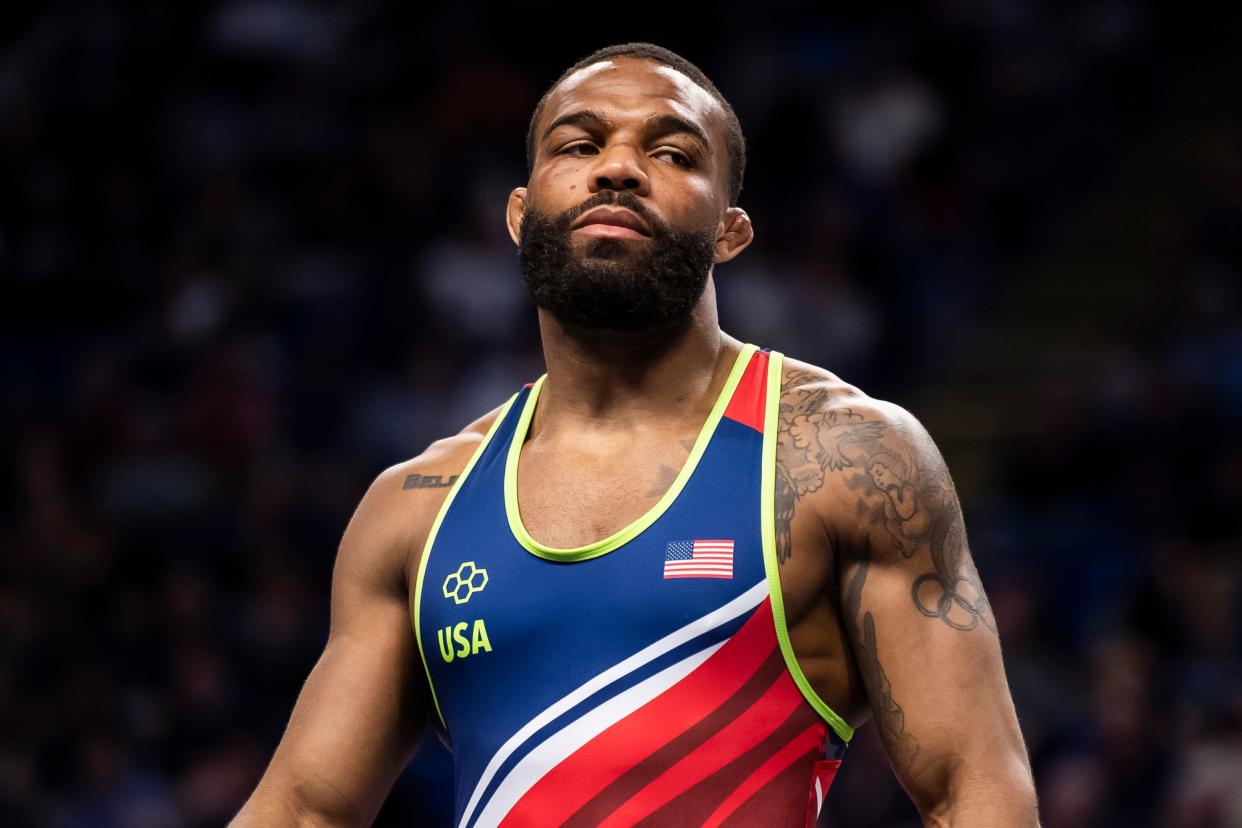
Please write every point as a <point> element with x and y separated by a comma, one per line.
<point>734,234</point>
<point>514,210</point>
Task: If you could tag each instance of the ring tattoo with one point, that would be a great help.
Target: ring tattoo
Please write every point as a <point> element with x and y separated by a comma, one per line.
<point>949,596</point>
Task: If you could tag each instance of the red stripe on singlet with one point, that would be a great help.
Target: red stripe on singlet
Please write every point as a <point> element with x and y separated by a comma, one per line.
<point>645,772</point>
<point>811,739</point>
<point>571,784</point>
<point>734,740</point>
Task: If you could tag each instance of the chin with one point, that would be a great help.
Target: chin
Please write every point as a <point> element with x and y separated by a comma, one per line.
<point>610,249</point>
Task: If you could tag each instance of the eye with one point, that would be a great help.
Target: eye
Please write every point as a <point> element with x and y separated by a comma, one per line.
<point>579,149</point>
<point>676,156</point>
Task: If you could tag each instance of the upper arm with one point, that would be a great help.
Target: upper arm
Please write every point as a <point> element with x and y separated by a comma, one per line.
<point>362,708</point>
<point>915,612</point>
<point>364,705</point>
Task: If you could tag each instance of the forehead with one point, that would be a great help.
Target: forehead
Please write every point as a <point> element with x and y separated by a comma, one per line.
<point>628,87</point>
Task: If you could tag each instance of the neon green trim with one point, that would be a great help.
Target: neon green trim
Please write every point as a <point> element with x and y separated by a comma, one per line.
<point>594,550</point>
<point>768,524</point>
<point>431,539</point>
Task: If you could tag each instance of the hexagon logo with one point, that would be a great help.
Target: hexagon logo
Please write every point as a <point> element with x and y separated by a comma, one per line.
<point>465,582</point>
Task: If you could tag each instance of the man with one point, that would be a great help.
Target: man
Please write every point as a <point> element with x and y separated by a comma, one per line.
<point>782,556</point>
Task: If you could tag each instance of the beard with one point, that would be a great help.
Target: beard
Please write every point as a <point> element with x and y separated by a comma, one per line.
<point>614,284</point>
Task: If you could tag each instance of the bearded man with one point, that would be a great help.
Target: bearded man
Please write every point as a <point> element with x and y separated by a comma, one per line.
<point>664,583</point>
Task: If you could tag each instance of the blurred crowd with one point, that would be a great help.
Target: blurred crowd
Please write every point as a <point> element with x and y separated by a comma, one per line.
<point>253,253</point>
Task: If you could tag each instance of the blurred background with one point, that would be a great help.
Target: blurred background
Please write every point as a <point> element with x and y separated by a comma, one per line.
<point>253,253</point>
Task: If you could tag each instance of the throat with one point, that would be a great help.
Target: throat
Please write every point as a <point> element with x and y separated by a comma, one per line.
<point>670,371</point>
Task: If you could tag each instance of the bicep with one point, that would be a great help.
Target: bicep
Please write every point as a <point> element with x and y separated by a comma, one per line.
<point>937,691</point>
<point>352,728</point>
<point>363,705</point>
<point>923,634</point>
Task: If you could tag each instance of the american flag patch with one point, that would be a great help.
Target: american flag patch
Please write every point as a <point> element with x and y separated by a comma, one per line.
<point>699,559</point>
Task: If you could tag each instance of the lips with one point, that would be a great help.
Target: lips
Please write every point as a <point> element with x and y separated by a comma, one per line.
<point>599,220</point>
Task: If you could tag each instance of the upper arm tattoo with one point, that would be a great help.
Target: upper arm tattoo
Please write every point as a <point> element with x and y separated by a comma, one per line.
<point>905,493</point>
<point>889,717</point>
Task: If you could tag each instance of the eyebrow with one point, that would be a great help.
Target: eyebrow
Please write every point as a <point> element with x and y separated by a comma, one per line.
<point>582,117</point>
<point>661,124</point>
<point>665,124</point>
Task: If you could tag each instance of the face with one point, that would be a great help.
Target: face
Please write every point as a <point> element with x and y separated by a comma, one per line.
<point>882,476</point>
<point>626,211</point>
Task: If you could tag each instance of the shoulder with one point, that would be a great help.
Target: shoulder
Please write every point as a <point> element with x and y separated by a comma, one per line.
<point>818,401</point>
<point>438,466</point>
<point>837,444</point>
<point>393,518</point>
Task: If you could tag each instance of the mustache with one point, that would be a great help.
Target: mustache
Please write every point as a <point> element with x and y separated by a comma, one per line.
<point>623,198</point>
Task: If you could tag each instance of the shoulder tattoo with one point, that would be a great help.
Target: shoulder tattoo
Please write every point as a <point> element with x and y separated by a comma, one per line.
<point>428,481</point>
<point>899,485</point>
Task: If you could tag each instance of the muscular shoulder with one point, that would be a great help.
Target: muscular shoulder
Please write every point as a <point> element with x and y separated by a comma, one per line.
<point>391,522</point>
<point>439,465</point>
<point>838,447</point>
<point>817,395</point>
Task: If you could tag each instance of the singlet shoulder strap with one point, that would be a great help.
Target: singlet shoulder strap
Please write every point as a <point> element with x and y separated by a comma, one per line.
<point>771,424</point>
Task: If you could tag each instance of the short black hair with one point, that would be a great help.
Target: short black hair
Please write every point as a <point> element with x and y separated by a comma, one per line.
<point>735,144</point>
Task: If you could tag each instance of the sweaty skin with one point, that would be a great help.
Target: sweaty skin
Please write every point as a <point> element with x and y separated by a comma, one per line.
<point>886,613</point>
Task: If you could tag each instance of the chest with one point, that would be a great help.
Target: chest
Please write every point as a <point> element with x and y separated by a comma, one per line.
<point>492,605</point>
<point>571,496</point>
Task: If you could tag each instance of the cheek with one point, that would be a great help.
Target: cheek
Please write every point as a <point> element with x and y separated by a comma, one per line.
<point>556,187</point>
<point>692,202</point>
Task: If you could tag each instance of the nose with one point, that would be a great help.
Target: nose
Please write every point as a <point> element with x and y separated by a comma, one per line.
<point>619,168</point>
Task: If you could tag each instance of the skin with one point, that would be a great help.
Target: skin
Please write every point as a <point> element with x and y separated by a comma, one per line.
<point>886,613</point>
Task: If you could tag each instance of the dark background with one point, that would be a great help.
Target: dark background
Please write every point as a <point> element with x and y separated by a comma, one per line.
<point>253,253</point>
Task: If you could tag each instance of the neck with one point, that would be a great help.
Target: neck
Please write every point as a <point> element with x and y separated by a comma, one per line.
<point>595,375</point>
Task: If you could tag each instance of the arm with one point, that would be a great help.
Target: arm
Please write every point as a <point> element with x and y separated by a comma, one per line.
<point>916,617</point>
<point>363,707</point>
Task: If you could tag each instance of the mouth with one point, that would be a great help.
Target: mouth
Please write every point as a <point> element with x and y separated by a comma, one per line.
<point>611,223</point>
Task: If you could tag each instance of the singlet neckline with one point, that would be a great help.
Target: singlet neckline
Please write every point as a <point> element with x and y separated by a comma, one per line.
<point>634,529</point>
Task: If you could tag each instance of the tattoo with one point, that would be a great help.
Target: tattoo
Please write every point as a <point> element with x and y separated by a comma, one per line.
<point>667,476</point>
<point>953,592</point>
<point>428,481</point>
<point>891,719</point>
<point>901,745</point>
<point>785,498</point>
<point>811,442</point>
<point>913,503</point>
